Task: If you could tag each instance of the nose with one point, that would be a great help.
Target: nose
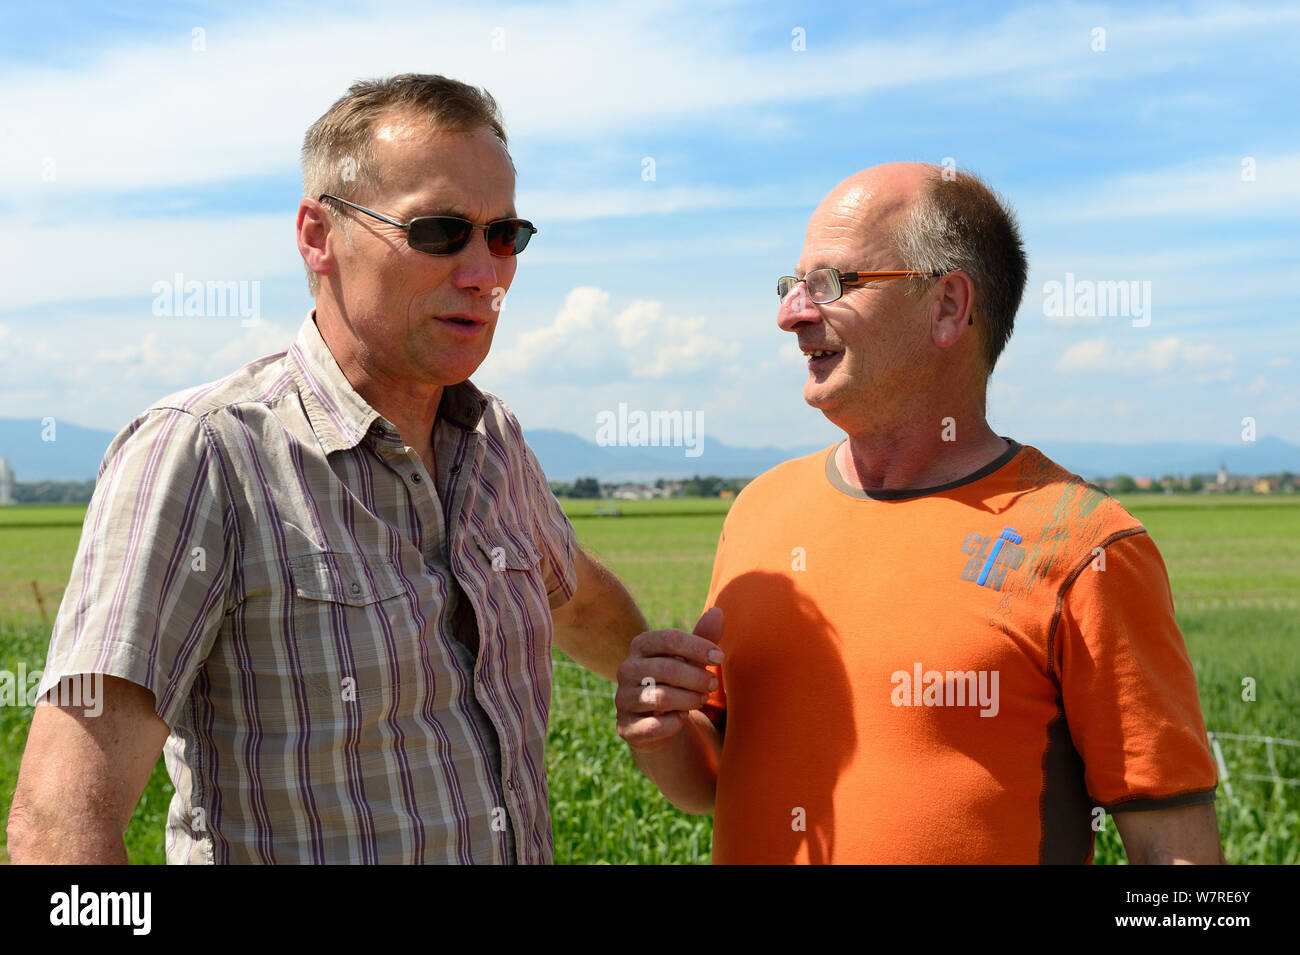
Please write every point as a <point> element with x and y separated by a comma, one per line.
<point>477,269</point>
<point>796,309</point>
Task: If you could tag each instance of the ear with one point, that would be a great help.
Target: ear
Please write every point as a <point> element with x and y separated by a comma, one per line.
<point>314,237</point>
<point>951,312</point>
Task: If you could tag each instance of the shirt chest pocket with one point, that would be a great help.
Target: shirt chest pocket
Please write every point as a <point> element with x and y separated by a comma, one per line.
<point>353,625</point>
<point>515,615</point>
<point>511,552</point>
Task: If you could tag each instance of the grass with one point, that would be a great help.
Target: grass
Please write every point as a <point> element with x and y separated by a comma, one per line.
<point>1234,566</point>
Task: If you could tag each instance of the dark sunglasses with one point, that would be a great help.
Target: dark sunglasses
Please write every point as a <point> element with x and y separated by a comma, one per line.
<point>447,235</point>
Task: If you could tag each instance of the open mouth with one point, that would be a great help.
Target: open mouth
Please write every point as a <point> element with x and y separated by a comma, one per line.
<point>818,357</point>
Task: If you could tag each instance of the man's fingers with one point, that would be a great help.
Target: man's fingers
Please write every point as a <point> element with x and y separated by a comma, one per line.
<point>667,670</point>
<point>677,643</point>
<point>652,697</point>
<point>664,678</point>
<point>641,732</point>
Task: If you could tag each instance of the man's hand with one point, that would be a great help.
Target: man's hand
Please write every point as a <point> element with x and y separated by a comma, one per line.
<point>661,687</point>
<point>664,678</point>
<point>82,775</point>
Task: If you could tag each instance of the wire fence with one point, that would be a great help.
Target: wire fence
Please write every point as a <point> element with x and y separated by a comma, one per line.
<point>1270,760</point>
<point>573,680</point>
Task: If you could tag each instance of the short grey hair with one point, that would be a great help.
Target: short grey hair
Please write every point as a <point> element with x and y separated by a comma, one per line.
<point>958,222</point>
<point>338,154</point>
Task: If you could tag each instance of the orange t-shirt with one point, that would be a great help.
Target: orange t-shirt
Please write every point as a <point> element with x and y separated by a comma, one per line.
<point>961,674</point>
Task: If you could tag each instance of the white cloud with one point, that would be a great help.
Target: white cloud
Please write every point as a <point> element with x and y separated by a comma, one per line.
<point>651,198</point>
<point>635,321</point>
<point>640,341</point>
<point>1167,354</point>
<point>678,347</point>
<point>155,113</point>
<point>101,371</point>
<point>1206,186</point>
<point>566,338</point>
<point>98,257</point>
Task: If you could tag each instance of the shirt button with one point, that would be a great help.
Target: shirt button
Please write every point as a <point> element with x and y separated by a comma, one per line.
<point>455,469</point>
<point>356,587</point>
<point>416,478</point>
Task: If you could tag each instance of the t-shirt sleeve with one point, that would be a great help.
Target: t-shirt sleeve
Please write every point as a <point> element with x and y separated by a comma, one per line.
<point>1128,687</point>
<point>554,535</point>
<point>715,708</point>
<point>146,597</point>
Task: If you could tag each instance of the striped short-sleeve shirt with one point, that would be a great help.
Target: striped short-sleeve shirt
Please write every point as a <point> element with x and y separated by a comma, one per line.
<point>353,656</point>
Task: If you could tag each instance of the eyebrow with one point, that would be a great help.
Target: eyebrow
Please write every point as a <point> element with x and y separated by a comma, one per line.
<point>415,210</point>
<point>418,209</point>
<point>815,268</point>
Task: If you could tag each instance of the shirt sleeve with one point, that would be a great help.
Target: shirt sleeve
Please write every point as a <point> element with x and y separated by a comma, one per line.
<point>715,708</point>
<point>146,597</point>
<point>1128,687</point>
<point>554,535</point>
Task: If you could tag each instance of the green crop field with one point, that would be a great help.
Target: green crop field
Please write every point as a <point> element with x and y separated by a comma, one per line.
<point>1234,564</point>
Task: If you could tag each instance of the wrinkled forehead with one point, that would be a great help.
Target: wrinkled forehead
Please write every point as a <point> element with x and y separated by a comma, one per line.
<point>415,156</point>
<point>853,228</point>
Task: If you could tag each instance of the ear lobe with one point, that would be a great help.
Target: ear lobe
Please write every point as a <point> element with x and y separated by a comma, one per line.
<point>946,328</point>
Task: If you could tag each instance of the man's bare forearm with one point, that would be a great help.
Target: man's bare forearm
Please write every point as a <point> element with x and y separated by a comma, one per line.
<point>82,775</point>
<point>1184,835</point>
<point>685,768</point>
<point>597,626</point>
<point>88,841</point>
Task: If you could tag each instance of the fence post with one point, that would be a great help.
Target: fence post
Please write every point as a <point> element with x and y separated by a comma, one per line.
<point>1223,766</point>
<point>40,603</point>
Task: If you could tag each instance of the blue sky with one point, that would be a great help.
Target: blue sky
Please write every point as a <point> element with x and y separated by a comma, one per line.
<point>1169,157</point>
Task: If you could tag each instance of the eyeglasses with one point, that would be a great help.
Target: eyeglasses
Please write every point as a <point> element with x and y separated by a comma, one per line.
<point>447,235</point>
<point>827,285</point>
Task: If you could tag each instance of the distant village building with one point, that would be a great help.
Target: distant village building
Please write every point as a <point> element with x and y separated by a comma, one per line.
<point>6,482</point>
<point>637,492</point>
<point>1222,479</point>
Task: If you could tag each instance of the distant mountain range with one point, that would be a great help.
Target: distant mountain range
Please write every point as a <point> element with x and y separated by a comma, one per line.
<point>75,454</point>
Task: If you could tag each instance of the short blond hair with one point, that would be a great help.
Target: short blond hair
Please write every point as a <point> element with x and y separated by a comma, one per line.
<point>338,155</point>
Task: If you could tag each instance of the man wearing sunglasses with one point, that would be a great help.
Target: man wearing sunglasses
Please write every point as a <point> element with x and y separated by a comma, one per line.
<point>936,645</point>
<point>327,586</point>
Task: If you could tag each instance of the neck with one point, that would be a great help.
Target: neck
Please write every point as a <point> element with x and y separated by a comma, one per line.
<point>411,407</point>
<point>901,457</point>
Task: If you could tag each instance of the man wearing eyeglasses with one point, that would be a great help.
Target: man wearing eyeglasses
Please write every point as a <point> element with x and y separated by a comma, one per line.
<point>926,643</point>
<point>326,587</point>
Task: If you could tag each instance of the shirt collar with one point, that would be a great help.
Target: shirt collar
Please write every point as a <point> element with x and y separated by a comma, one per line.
<point>340,417</point>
